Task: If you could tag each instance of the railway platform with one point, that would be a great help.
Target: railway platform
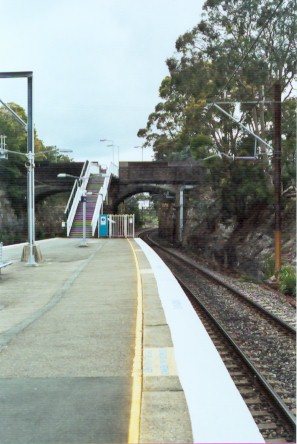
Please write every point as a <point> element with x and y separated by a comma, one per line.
<point>100,345</point>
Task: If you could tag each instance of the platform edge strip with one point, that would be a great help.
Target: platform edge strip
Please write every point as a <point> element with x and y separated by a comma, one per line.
<point>137,370</point>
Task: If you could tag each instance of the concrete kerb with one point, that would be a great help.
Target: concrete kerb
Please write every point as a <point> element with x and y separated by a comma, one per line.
<point>164,413</point>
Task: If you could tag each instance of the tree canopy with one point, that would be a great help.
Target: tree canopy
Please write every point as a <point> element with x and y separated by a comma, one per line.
<point>235,54</point>
<point>231,58</point>
<point>16,135</point>
<point>12,179</point>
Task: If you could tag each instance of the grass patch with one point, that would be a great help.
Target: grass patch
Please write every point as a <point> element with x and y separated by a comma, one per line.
<point>287,280</point>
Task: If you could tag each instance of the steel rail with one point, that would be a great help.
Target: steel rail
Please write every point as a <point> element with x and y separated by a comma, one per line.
<point>283,408</point>
<point>229,287</point>
<point>271,392</point>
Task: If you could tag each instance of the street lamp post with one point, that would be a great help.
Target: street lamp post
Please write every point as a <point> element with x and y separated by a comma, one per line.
<point>117,146</point>
<point>112,152</point>
<point>113,146</point>
<point>84,204</point>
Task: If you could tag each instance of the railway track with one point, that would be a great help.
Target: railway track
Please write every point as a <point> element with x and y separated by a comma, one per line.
<point>256,342</point>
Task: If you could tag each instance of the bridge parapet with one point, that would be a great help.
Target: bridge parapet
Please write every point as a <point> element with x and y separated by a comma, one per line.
<point>160,172</point>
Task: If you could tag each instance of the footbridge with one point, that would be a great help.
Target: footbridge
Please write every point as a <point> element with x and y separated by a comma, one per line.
<point>106,188</point>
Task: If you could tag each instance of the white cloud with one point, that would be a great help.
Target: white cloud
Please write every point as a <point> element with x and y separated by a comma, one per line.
<point>97,66</point>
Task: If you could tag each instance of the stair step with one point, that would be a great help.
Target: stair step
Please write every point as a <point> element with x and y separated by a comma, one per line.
<point>95,182</point>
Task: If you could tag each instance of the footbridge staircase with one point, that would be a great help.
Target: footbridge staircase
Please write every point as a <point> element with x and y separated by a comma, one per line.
<point>91,186</point>
<point>98,185</point>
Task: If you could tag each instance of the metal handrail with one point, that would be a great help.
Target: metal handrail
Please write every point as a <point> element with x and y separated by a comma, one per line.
<point>74,189</point>
<point>79,188</point>
<point>70,200</point>
<point>103,192</point>
<point>84,169</point>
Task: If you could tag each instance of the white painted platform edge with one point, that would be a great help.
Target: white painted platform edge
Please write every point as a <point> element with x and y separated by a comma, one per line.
<point>217,411</point>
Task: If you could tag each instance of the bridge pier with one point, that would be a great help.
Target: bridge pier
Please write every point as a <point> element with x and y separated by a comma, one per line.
<point>167,221</point>
<point>172,216</point>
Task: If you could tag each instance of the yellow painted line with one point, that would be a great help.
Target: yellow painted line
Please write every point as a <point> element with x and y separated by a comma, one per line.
<point>137,377</point>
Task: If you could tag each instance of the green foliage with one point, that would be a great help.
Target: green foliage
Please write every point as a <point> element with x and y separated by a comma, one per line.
<point>287,280</point>
<point>242,187</point>
<point>235,54</point>
<point>286,277</point>
<point>207,61</point>
<point>200,146</point>
<point>269,267</point>
<point>13,174</point>
<point>289,143</point>
<point>130,206</point>
<point>16,136</point>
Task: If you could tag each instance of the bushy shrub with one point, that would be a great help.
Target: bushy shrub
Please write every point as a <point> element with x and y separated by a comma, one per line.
<point>287,280</point>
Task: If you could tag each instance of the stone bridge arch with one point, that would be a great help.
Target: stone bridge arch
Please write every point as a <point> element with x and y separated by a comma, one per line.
<point>134,178</point>
<point>157,178</point>
<point>168,209</point>
<point>118,194</point>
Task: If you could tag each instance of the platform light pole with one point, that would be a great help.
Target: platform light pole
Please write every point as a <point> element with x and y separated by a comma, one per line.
<point>115,146</point>
<point>112,144</point>
<point>83,200</point>
<point>30,155</point>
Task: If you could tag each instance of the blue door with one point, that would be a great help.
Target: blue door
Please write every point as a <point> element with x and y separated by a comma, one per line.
<point>103,225</point>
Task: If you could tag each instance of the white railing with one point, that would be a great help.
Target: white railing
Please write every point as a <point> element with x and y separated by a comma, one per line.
<point>121,225</point>
<point>103,193</point>
<point>81,185</point>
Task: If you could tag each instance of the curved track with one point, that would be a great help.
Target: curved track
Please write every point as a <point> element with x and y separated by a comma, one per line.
<point>256,343</point>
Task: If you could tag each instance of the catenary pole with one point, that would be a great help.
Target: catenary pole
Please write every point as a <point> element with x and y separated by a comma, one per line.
<point>30,149</point>
<point>277,151</point>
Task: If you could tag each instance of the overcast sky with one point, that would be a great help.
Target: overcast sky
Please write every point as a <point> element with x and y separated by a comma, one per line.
<point>97,67</point>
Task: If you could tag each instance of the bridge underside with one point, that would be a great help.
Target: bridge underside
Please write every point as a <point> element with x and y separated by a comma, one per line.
<point>156,178</point>
<point>121,193</point>
<point>153,177</point>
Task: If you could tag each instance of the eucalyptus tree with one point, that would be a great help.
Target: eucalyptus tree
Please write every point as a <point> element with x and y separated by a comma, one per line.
<point>251,43</point>
<point>236,53</point>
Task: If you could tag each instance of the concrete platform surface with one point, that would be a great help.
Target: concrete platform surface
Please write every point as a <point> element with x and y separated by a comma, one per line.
<point>67,344</point>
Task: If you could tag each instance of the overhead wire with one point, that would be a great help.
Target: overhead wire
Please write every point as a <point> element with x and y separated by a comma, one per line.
<point>248,51</point>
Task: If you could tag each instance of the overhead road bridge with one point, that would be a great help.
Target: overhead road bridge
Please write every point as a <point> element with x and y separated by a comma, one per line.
<point>155,177</point>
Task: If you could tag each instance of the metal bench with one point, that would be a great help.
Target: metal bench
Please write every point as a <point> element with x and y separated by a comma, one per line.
<point>3,263</point>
